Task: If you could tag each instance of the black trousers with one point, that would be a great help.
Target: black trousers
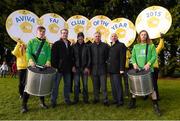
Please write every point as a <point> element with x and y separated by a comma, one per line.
<point>126,84</point>
<point>71,85</point>
<point>22,80</point>
<point>100,82</point>
<point>155,79</point>
<point>26,97</point>
<point>117,88</point>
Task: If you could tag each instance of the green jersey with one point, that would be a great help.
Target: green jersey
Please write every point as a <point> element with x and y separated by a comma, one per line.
<point>45,54</point>
<point>139,55</point>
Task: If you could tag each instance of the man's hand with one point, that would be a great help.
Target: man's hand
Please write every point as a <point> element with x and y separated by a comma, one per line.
<point>135,66</point>
<point>147,67</point>
<point>86,71</point>
<point>47,65</point>
<point>32,64</point>
<point>73,69</point>
<point>161,35</point>
<point>121,72</point>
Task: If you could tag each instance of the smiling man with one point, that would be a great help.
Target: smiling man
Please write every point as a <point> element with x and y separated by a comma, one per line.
<point>38,52</point>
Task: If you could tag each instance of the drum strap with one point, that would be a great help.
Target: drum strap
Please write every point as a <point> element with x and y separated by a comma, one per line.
<point>39,50</point>
<point>146,53</point>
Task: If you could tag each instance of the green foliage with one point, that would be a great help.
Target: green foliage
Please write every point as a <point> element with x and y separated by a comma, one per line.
<point>172,45</point>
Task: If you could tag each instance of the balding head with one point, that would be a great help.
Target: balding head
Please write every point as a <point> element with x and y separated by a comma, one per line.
<point>114,37</point>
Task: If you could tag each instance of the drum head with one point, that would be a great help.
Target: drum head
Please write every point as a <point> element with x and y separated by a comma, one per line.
<point>42,71</point>
<point>137,73</point>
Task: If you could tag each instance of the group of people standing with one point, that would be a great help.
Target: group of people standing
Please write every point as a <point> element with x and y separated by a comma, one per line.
<point>83,59</point>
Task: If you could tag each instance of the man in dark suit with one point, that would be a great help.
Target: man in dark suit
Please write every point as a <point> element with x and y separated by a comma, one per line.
<point>81,66</point>
<point>62,61</point>
<point>116,67</point>
<point>99,55</point>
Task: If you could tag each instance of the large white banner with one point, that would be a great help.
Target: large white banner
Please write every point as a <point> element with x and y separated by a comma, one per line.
<point>154,20</point>
<point>21,25</point>
<point>53,24</point>
<point>99,23</point>
<point>76,24</point>
<point>124,29</point>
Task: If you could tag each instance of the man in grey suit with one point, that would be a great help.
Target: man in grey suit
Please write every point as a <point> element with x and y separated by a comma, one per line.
<point>99,56</point>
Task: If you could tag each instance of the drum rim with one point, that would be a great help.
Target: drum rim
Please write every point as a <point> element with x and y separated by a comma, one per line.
<point>139,75</point>
<point>148,72</point>
<point>138,94</point>
<point>38,94</point>
<point>41,73</point>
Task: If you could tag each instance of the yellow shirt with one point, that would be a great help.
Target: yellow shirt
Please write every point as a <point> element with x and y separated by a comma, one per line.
<point>20,57</point>
<point>158,50</point>
<point>128,56</point>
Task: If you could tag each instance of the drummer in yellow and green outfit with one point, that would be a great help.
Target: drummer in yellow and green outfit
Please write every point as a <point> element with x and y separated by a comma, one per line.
<point>139,62</point>
<point>33,59</point>
<point>156,65</point>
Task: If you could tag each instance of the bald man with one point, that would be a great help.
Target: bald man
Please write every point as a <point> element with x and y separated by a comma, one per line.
<point>116,67</point>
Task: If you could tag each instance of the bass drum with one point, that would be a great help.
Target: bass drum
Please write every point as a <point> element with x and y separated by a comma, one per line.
<point>140,82</point>
<point>39,81</point>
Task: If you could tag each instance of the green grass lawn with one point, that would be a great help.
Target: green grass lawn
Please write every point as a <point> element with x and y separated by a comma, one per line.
<point>10,105</point>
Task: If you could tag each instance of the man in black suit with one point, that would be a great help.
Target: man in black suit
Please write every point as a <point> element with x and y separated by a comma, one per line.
<point>81,66</point>
<point>99,55</point>
<point>116,67</point>
<point>62,61</point>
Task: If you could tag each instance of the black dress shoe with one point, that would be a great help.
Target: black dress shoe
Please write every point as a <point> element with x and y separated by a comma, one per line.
<point>86,101</point>
<point>24,109</point>
<point>43,106</point>
<point>119,104</point>
<point>95,101</point>
<point>132,103</point>
<point>69,103</point>
<point>75,102</point>
<point>106,104</point>
<point>53,105</point>
<point>114,102</point>
<point>158,99</point>
<point>157,110</point>
<point>145,97</point>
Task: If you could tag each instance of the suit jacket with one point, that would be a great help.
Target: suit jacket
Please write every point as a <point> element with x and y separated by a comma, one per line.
<point>117,58</point>
<point>99,56</point>
<point>81,56</point>
<point>61,56</point>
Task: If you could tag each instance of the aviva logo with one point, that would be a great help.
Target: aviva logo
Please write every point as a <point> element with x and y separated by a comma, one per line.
<point>25,19</point>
